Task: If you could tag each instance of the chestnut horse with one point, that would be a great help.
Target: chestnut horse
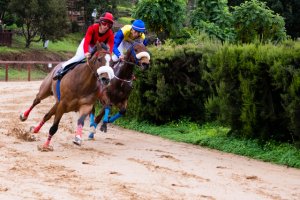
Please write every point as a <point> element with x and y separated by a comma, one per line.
<point>76,91</point>
<point>117,93</point>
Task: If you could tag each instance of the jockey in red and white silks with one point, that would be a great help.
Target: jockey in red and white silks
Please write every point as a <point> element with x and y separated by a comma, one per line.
<point>98,32</point>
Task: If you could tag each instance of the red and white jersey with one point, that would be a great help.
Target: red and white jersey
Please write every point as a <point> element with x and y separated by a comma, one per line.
<point>92,36</point>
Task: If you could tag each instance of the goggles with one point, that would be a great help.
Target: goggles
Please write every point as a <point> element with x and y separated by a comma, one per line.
<point>104,23</point>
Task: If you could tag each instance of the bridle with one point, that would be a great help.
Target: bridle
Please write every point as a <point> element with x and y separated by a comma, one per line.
<point>135,63</point>
<point>88,63</point>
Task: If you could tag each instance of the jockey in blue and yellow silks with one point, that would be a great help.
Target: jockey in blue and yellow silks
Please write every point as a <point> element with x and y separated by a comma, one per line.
<point>126,36</point>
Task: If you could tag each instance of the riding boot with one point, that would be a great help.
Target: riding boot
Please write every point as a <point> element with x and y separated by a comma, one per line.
<point>59,74</point>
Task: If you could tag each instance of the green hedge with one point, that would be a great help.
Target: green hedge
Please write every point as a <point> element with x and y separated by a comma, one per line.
<point>257,90</point>
<point>173,87</point>
<point>253,88</point>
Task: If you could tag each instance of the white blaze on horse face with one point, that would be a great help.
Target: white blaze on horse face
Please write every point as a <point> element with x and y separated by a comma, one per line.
<point>106,69</point>
<point>143,54</point>
<point>107,58</point>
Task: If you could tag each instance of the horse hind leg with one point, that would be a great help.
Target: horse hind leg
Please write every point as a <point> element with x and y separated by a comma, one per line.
<point>44,92</point>
<point>94,122</point>
<point>118,115</point>
<point>24,116</point>
<point>46,118</point>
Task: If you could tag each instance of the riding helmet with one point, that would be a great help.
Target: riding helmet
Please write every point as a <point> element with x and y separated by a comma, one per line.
<point>138,25</point>
<point>108,17</point>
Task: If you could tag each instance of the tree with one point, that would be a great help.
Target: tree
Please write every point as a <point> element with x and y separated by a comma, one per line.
<point>289,10</point>
<point>253,20</point>
<point>214,18</point>
<point>40,19</point>
<point>3,7</point>
<point>161,16</point>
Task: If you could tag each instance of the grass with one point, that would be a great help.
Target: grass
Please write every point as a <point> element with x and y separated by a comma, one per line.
<point>215,136</point>
<point>67,44</point>
<point>21,74</point>
<point>125,20</point>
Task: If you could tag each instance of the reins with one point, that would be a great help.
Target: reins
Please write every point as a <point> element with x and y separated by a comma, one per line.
<point>88,63</point>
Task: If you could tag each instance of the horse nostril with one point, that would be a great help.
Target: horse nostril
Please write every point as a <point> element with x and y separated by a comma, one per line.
<point>145,65</point>
<point>105,81</point>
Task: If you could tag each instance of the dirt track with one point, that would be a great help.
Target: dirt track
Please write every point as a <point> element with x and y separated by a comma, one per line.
<point>122,164</point>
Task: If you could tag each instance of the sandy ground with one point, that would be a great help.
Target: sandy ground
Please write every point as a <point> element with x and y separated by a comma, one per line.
<point>122,164</point>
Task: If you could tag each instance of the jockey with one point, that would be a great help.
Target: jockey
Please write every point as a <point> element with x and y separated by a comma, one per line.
<point>126,36</point>
<point>98,32</point>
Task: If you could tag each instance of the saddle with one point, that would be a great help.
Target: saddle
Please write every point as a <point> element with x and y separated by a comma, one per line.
<point>63,71</point>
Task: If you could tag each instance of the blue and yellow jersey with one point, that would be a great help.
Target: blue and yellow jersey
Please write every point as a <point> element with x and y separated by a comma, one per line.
<point>124,34</point>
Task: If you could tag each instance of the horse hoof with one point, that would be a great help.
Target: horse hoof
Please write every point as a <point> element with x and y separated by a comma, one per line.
<point>103,127</point>
<point>44,148</point>
<point>91,136</point>
<point>22,117</point>
<point>77,141</point>
<point>33,129</point>
<point>33,137</point>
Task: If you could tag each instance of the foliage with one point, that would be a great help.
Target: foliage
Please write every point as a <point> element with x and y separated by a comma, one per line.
<point>100,5</point>
<point>254,21</point>
<point>214,18</point>
<point>40,20</point>
<point>288,9</point>
<point>159,15</point>
<point>3,8</point>
<point>256,90</point>
<point>173,86</point>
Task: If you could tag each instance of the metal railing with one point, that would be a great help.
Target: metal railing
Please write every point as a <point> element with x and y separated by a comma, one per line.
<point>28,65</point>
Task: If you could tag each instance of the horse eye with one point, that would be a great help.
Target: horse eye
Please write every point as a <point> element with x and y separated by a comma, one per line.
<point>99,59</point>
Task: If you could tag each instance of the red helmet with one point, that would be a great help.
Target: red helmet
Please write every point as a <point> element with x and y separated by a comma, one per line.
<point>107,17</point>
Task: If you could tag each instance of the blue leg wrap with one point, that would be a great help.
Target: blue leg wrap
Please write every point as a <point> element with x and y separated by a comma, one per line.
<point>115,117</point>
<point>106,113</point>
<point>92,120</point>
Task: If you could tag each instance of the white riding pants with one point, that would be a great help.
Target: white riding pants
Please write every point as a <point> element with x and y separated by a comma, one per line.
<point>79,54</point>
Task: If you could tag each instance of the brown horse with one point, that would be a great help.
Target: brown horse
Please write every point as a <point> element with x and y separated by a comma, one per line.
<point>117,93</point>
<point>77,91</point>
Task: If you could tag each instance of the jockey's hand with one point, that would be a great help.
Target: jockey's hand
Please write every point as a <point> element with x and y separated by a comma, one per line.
<point>87,55</point>
<point>121,58</point>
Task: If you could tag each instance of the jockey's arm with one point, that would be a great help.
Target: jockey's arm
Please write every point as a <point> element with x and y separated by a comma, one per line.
<point>110,43</point>
<point>117,41</point>
<point>87,39</point>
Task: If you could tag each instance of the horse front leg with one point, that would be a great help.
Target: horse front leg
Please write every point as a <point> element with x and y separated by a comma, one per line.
<point>103,127</point>
<point>83,112</point>
<point>94,122</point>
<point>59,111</point>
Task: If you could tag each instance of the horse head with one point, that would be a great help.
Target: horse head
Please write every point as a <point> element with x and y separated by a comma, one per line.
<point>100,60</point>
<point>139,55</point>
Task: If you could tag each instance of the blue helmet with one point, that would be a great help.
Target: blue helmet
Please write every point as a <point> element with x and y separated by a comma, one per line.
<point>138,25</point>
